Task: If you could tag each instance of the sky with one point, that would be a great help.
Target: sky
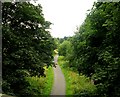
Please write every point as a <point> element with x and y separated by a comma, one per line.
<point>65,15</point>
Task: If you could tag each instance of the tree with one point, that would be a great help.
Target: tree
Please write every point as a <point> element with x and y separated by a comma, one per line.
<point>96,48</point>
<point>27,45</point>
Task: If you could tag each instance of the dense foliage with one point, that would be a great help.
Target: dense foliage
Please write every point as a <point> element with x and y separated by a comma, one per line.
<point>27,45</point>
<point>65,48</point>
<point>96,48</point>
<point>75,84</point>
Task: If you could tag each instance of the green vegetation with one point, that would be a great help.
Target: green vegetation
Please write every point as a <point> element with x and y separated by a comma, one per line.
<point>41,86</point>
<point>48,81</point>
<point>76,84</point>
<point>91,61</point>
<point>95,49</point>
<point>36,86</point>
<point>27,47</point>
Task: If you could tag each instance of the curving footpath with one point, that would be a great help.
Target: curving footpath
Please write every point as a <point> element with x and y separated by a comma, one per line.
<point>59,82</point>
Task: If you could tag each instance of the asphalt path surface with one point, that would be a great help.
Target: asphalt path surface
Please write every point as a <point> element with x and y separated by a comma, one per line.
<point>59,82</point>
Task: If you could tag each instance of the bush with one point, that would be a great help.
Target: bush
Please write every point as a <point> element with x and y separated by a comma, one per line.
<point>35,88</point>
<point>96,48</point>
<point>76,85</point>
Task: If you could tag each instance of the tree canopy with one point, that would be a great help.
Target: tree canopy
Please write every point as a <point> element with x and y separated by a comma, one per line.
<point>27,45</point>
<point>96,48</point>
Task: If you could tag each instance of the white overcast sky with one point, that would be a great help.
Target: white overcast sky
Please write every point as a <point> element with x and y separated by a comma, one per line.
<point>66,15</point>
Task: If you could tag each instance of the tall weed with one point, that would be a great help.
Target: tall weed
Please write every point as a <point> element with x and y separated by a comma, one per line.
<point>76,84</point>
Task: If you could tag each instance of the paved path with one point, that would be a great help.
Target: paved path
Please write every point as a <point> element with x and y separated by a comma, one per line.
<point>59,82</point>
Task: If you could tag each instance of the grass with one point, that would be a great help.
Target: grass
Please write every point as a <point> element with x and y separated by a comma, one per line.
<point>41,85</point>
<point>75,83</point>
<point>49,80</point>
<point>38,86</point>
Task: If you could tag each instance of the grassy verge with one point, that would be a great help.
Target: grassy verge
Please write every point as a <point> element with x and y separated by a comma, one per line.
<point>43,85</point>
<point>75,84</point>
<point>49,81</point>
<point>38,86</point>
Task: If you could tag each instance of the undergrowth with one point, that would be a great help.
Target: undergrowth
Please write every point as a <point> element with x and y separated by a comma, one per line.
<point>41,86</point>
<point>76,84</point>
<point>49,81</point>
